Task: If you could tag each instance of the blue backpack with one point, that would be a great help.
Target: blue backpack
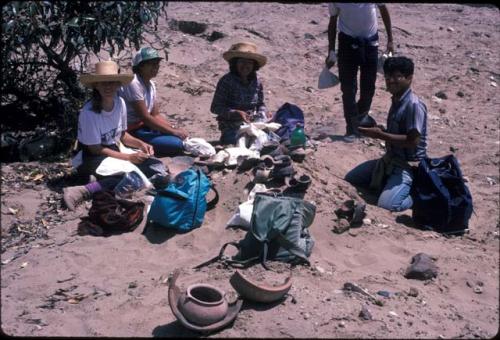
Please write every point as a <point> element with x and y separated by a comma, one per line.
<point>441,200</point>
<point>182,204</point>
<point>288,115</point>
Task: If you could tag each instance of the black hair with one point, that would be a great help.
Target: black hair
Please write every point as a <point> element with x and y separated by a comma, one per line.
<point>402,64</point>
<point>96,101</point>
<point>234,70</point>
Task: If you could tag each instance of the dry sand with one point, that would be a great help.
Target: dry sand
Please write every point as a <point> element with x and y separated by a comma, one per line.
<point>56,283</point>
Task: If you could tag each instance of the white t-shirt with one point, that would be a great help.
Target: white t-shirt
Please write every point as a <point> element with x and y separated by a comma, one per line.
<point>137,90</point>
<point>359,20</point>
<point>103,128</point>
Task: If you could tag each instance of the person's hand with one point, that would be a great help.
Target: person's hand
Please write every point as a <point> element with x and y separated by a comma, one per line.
<point>137,157</point>
<point>373,132</point>
<point>331,59</point>
<point>182,134</point>
<point>244,116</point>
<point>147,149</point>
<point>269,115</point>
<point>390,47</point>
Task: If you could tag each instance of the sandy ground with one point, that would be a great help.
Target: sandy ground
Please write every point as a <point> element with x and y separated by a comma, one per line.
<point>57,283</point>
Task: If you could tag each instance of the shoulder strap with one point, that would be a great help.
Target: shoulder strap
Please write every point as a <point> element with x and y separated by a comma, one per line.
<point>215,200</point>
<point>225,259</point>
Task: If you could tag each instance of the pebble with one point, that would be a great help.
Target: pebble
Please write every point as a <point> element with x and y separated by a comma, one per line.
<point>493,84</point>
<point>342,324</point>
<point>478,290</point>
<point>392,313</point>
<point>365,313</point>
<point>367,221</point>
<point>320,269</point>
<point>450,29</point>
<point>413,292</point>
<point>307,316</point>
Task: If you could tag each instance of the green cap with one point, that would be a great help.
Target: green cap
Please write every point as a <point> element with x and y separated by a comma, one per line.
<point>145,53</point>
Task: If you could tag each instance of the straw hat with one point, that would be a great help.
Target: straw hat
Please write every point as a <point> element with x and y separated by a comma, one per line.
<point>105,71</point>
<point>245,50</point>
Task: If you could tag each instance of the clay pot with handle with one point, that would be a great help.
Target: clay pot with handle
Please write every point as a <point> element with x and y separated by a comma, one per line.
<point>203,304</point>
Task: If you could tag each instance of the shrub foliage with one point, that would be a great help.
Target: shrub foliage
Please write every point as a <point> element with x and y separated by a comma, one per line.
<point>47,44</point>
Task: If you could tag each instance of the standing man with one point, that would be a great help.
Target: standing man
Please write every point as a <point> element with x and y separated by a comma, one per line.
<point>405,140</point>
<point>358,49</point>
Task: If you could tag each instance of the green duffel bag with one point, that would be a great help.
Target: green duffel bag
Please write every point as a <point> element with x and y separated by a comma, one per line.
<point>278,231</point>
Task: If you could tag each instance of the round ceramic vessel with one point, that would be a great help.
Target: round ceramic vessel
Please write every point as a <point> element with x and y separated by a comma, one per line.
<point>203,304</point>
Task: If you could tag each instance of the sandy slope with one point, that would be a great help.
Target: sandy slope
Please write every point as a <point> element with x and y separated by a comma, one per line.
<point>123,277</point>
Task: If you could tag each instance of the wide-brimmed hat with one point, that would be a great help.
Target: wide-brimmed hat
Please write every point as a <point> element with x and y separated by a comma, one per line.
<point>145,54</point>
<point>105,71</point>
<point>245,50</point>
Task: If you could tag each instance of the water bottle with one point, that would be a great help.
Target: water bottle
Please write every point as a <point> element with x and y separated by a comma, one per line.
<point>298,137</point>
<point>130,183</point>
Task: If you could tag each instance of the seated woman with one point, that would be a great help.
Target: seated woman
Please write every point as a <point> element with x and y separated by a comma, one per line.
<point>144,119</point>
<point>102,124</point>
<point>239,96</point>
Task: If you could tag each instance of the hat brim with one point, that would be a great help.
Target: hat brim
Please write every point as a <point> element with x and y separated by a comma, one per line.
<point>89,79</point>
<point>174,294</point>
<point>259,58</point>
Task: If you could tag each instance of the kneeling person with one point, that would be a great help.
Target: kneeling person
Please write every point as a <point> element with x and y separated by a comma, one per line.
<point>405,139</point>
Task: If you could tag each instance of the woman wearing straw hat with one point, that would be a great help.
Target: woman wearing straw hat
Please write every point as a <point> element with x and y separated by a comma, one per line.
<point>144,119</point>
<point>239,96</point>
<point>102,125</point>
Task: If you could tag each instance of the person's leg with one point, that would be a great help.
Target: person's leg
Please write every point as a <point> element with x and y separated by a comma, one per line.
<point>348,69</point>
<point>229,136</point>
<point>361,175</point>
<point>164,145</point>
<point>396,193</point>
<point>72,196</point>
<point>367,79</point>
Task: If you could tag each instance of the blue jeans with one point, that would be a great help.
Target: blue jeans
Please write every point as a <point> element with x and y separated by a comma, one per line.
<point>229,136</point>
<point>349,62</point>
<point>164,145</point>
<point>395,195</point>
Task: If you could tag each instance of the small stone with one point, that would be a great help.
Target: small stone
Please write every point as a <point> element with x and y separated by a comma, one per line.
<point>392,313</point>
<point>413,292</point>
<point>320,269</point>
<point>132,285</point>
<point>450,29</point>
<point>307,316</point>
<point>290,317</point>
<point>442,110</point>
<point>367,221</point>
<point>342,324</point>
<point>365,313</point>
<point>353,232</point>
<point>460,94</point>
<point>309,36</point>
<point>478,290</point>
<point>493,84</point>
<point>441,95</point>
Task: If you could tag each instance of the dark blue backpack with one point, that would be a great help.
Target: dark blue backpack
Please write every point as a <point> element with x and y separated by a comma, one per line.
<point>182,204</point>
<point>441,200</point>
<point>288,115</point>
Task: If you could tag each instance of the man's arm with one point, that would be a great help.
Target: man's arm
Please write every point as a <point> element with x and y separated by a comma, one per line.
<point>386,18</point>
<point>410,140</point>
<point>332,35</point>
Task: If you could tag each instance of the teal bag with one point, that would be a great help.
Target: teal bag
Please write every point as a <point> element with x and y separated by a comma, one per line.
<point>182,204</point>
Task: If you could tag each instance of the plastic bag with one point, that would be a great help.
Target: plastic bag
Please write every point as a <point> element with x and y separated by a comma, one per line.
<point>327,79</point>
<point>199,147</point>
<point>130,183</point>
<point>381,61</point>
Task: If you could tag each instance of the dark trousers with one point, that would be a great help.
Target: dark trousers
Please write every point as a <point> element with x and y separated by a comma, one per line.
<point>353,55</point>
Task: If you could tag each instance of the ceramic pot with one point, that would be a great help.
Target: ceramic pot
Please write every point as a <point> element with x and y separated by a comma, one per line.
<point>203,304</point>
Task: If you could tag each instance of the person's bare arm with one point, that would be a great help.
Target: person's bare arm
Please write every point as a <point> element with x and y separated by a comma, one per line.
<point>332,35</point>
<point>135,158</point>
<point>386,18</point>
<point>154,120</point>
<point>129,140</point>
<point>410,140</point>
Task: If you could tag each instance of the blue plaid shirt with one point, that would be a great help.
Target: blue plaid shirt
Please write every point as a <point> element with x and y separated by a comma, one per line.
<point>231,94</point>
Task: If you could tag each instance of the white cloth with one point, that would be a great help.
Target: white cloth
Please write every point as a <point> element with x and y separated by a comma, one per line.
<point>256,133</point>
<point>103,128</point>
<point>243,217</point>
<point>199,147</point>
<point>137,90</point>
<point>359,20</point>
<point>234,152</point>
<point>327,79</point>
<point>114,166</point>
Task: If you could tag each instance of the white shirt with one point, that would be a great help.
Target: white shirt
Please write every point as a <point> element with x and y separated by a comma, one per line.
<point>359,20</point>
<point>137,90</point>
<point>103,128</point>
